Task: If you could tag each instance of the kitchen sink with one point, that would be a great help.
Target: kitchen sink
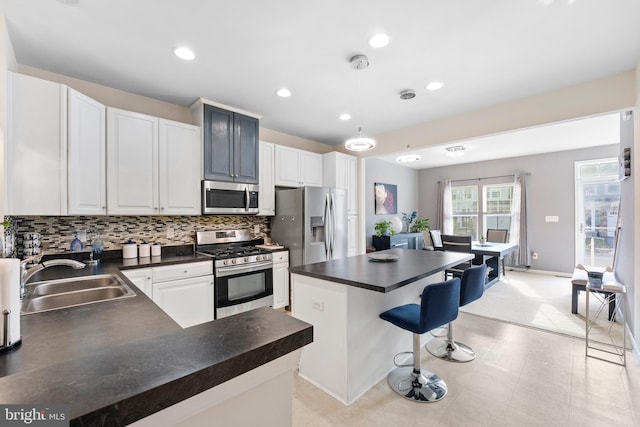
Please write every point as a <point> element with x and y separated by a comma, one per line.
<point>62,293</point>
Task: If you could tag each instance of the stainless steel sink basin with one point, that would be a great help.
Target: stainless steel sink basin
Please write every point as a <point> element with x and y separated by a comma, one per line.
<point>62,293</point>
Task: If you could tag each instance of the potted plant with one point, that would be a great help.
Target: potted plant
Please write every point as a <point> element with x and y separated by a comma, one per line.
<point>381,239</point>
<point>421,225</point>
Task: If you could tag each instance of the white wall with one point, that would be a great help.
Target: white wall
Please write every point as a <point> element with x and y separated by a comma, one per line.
<point>406,180</point>
<point>550,191</point>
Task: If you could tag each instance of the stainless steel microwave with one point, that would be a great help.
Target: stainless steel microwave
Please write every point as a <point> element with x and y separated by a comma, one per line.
<point>220,198</point>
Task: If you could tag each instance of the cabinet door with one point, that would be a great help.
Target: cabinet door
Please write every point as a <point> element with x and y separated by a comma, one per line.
<point>189,301</point>
<point>218,144</point>
<point>132,163</point>
<point>352,184</point>
<point>245,149</point>
<point>267,193</point>
<point>287,166</point>
<point>36,149</point>
<point>87,155</point>
<point>280,279</point>
<point>141,277</point>
<point>180,168</point>
<point>310,168</point>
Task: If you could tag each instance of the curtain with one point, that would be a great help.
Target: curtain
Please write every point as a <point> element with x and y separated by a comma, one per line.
<point>444,220</point>
<point>518,230</point>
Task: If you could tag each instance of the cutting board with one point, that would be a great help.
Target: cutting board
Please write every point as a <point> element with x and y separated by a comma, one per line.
<point>270,247</point>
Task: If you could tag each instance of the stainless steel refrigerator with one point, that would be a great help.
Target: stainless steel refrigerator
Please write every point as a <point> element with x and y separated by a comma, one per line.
<point>312,223</point>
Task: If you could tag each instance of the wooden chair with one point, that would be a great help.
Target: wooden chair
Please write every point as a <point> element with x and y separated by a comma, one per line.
<point>498,236</point>
<point>456,244</point>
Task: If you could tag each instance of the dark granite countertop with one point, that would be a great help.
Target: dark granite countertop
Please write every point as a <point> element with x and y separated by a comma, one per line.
<point>361,272</point>
<point>123,360</point>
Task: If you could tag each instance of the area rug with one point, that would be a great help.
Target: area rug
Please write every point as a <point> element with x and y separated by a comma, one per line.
<point>543,302</point>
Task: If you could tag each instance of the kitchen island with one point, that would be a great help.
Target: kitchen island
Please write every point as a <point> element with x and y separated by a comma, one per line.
<point>125,361</point>
<point>353,348</point>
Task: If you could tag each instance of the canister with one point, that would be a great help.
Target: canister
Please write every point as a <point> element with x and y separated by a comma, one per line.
<point>129,250</point>
<point>156,250</point>
<point>144,250</point>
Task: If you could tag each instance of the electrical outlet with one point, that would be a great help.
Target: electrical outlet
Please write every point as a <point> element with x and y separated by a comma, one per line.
<point>317,305</point>
<point>170,233</point>
<point>256,229</point>
<point>82,235</point>
<point>534,255</point>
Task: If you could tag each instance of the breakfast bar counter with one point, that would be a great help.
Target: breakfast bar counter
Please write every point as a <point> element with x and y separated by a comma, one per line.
<point>352,347</point>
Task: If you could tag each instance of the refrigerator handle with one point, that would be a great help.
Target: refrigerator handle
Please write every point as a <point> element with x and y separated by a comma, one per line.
<point>332,209</point>
<point>327,227</point>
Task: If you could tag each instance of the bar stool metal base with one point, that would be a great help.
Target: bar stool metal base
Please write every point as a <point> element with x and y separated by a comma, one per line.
<point>421,386</point>
<point>450,351</point>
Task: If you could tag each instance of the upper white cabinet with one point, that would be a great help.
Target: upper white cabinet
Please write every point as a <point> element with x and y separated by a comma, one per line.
<point>86,169</point>
<point>180,168</point>
<point>297,168</point>
<point>341,171</point>
<point>153,165</point>
<point>267,193</point>
<point>36,149</point>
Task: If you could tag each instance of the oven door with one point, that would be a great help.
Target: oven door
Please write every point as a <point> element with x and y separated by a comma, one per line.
<point>243,288</point>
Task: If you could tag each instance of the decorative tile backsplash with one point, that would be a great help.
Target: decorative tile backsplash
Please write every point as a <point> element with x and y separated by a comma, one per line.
<point>56,233</point>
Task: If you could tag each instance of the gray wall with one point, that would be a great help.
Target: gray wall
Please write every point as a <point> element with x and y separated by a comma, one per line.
<point>550,191</point>
<point>405,178</point>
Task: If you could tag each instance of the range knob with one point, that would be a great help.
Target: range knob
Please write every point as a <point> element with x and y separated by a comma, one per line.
<point>233,261</point>
<point>225,262</point>
<point>246,259</point>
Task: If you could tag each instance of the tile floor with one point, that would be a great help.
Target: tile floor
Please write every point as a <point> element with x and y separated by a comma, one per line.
<point>521,377</point>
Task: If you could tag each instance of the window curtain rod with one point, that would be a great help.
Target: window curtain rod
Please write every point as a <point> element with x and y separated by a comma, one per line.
<point>487,177</point>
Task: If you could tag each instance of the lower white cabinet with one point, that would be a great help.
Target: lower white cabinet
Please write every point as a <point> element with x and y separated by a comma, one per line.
<point>141,277</point>
<point>280,279</point>
<point>183,291</point>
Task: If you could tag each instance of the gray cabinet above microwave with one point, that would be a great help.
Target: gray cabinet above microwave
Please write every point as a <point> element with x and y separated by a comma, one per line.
<point>231,149</point>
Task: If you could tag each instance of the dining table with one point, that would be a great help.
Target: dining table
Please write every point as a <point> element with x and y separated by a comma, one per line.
<point>491,253</point>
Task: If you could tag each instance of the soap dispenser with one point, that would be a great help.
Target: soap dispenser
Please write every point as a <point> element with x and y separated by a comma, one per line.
<point>76,244</point>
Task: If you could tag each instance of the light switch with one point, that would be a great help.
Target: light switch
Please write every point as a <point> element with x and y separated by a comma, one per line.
<point>551,218</point>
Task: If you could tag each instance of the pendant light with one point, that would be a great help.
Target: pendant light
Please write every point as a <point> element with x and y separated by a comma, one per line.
<point>408,157</point>
<point>359,142</point>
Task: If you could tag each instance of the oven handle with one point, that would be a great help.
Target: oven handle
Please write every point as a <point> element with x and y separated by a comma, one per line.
<point>246,198</point>
<point>228,271</point>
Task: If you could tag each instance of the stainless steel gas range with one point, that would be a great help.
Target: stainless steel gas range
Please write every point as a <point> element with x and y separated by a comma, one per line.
<point>243,274</point>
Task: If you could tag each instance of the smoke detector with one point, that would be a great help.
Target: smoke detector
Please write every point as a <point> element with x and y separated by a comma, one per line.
<point>408,94</point>
<point>359,62</point>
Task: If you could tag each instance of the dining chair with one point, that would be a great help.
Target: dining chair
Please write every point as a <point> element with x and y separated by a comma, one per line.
<point>454,243</point>
<point>436,240</point>
<point>498,236</point>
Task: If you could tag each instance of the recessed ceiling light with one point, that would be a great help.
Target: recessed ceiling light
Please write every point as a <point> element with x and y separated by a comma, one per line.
<point>408,158</point>
<point>379,40</point>
<point>283,93</point>
<point>184,53</point>
<point>435,85</point>
<point>345,117</point>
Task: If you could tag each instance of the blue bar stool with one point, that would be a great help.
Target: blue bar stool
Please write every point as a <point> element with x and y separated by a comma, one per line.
<point>438,306</point>
<point>471,289</point>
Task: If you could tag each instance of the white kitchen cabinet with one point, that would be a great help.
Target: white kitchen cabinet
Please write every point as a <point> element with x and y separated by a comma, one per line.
<point>280,279</point>
<point>341,171</point>
<point>86,171</point>
<point>185,292</point>
<point>147,176</point>
<point>180,157</point>
<point>141,277</point>
<point>267,191</point>
<point>297,168</point>
<point>36,149</point>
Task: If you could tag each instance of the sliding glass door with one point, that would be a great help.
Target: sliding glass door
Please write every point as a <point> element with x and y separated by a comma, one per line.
<point>597,205</point>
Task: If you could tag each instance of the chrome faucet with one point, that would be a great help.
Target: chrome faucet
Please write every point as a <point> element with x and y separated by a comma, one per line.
<point>27,273</point>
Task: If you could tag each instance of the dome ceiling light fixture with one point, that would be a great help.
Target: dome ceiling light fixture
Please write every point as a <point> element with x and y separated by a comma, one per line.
<point>408,94</point>
<point>455,151</point>
<point>409,157</point>
<point>359,142</point>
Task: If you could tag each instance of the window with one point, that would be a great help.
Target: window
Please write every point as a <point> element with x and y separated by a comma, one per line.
<point>495,200</point>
